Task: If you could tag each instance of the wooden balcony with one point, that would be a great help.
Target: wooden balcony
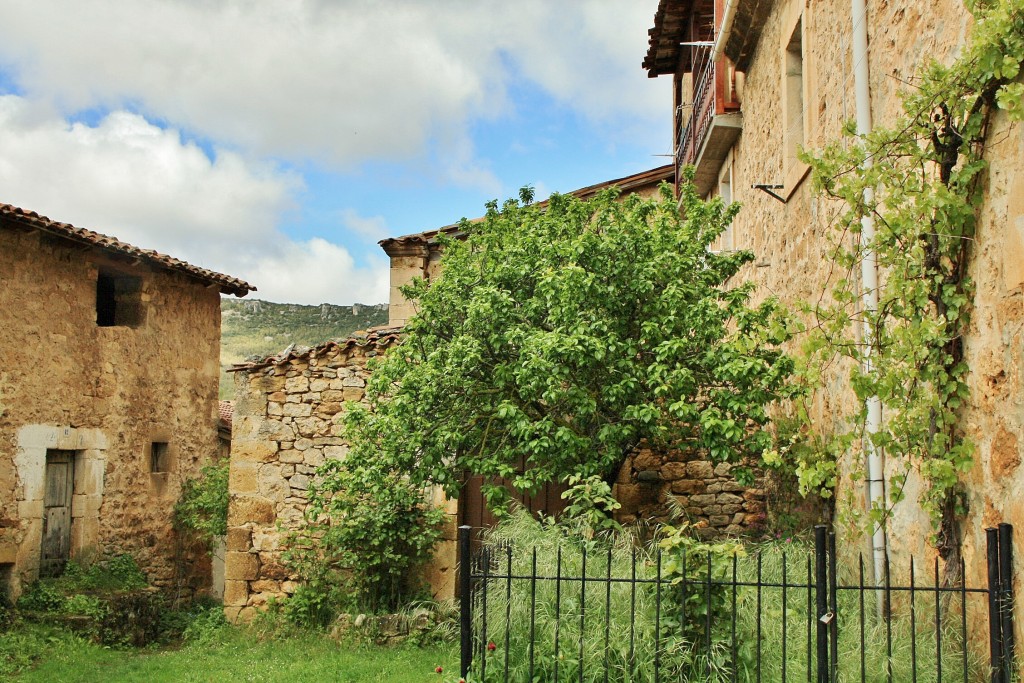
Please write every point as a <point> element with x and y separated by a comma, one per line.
<point>709,124</point>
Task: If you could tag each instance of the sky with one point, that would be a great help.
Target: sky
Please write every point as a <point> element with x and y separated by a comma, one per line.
<point>279,141</point>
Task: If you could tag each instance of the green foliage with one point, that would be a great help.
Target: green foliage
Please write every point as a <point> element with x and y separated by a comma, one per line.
<point>202,508</point>
<point>920,179</point>
<point>561,335</point>
<point>591,505</point>
<point>367,528</point>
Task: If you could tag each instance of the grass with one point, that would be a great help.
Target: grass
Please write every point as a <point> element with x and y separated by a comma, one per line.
<point>624,613</point>
<point>229,654</point>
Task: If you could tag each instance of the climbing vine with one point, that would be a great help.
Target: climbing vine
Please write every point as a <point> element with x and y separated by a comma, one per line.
<point>926,173</point>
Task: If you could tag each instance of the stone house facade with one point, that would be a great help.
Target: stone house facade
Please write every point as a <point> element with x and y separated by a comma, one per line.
<point>108,397</point>
<point>785,80</point>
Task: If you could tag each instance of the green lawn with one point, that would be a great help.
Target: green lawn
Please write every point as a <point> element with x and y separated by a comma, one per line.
<point>239,655</point>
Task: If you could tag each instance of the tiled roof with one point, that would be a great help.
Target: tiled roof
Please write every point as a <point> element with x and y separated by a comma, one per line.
<point>379,337</point>
<point>670,23</point>
<point>226,411</point>
<point>626,184</point>
<point>32,220</point>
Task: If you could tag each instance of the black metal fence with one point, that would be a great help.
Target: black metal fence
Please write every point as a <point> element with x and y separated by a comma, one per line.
<point>597,614</point>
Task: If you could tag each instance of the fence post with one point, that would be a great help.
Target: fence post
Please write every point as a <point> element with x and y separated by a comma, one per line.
<point>821,597</point>
<point>995,640</point>
<point>465,600</point>
<point>1006,598</point>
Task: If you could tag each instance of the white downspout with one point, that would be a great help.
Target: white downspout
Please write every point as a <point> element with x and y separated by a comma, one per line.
<point>869,290</point>
<point>728,15</point>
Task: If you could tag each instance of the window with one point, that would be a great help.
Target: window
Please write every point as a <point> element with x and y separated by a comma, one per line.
<point>159,457</point>
<point>793,104</point>
<point>726,241</point>
<point>118,300</point>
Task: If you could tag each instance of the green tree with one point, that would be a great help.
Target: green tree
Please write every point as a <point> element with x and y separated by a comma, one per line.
<point>562,334</point>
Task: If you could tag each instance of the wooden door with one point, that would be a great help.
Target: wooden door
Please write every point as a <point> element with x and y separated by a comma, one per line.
<point>60,478</point>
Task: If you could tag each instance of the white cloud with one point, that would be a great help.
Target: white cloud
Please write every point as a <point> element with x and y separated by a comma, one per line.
<point>145,185</point>
<point>371,227</point>
<point>339,81</point>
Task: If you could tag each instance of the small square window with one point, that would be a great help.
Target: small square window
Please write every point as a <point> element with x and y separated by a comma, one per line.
<point>159,457</point>
<point>118,300</point>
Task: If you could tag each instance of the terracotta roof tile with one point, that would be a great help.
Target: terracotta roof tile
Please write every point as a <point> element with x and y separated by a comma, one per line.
<point>32,220</point>
<point>380,337</point>
<point>226,412</point>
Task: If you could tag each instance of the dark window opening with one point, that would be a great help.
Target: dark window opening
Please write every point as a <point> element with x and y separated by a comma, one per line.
<point>159,459</point>
<point>118,300</point>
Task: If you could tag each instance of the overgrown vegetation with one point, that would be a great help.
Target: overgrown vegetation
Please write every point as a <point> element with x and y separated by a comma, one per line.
<point>561,335</point>
<point>685,626</point>
<point>366,530</point>
<point>921,180</point>
<point>202,509</point>
<point>251,327</point>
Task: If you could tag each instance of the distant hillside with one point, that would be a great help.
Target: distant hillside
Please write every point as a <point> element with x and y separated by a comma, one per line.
<point>251,327</point>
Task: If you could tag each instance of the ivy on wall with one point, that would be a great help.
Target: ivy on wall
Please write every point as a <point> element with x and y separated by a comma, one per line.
<point>926,171</point>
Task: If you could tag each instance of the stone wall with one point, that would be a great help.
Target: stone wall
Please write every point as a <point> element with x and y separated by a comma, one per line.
<point>286,424</point>
<point>105,393</point>
<point>654,487</point>
<point>792,248</point>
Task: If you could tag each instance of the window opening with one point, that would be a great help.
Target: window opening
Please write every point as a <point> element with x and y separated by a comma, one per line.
<point>118,300</point>
<point>794,82</point>
<point>159,460</point>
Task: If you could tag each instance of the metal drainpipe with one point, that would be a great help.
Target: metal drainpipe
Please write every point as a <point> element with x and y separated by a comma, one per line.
<point>728,15</point>
<point>869,291</point>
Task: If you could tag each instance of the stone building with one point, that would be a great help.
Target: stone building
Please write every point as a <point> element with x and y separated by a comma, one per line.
<point>108,396</point>
<point>754,84</point>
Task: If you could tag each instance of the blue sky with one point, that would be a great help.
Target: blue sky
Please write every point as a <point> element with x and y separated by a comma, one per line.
<point>278,142</point>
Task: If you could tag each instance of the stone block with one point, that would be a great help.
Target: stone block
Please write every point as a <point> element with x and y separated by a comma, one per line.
<point>688,486</point>
<point>318,384</point>
<point>335,452</point>
<point>296,385</point>
<point>274,408</point>
<point>277,397</point>
<point>236,592</point>
<point>646,459</point>
<point>250,510</point>
<point>673,471</point>
<point>704,499</point>
<point>328,408</point>
<point>722,469</point>
<point>753,494</point>
<point>719,520</point>
<point>240,566</point>
<point>700,469</point>
<point>265,586</point>
<point>253,451</point>
<point>353,394</point>
<point>274,571</point>
<point>729,499</point>
<point>353,382</point>
<point>238,539</point>
<point>314,457</point>
<point>242,477</point>
<point>297,410</point>
<point>731,509</point>
<point>291,456</point>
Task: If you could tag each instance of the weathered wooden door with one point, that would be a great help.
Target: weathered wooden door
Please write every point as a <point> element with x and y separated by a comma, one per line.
<point>60,478</point>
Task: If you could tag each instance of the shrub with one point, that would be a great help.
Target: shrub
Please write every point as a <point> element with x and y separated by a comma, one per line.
<point>366,529</point>
<point>202,508</point>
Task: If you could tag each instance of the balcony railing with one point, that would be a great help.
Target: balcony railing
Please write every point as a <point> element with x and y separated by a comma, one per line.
<point>714,94</point>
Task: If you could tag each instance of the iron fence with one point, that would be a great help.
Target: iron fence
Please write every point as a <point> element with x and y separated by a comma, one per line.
<point>594,613</point>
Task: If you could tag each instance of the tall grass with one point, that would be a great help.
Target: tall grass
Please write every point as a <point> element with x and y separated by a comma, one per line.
<point>621,623</point>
